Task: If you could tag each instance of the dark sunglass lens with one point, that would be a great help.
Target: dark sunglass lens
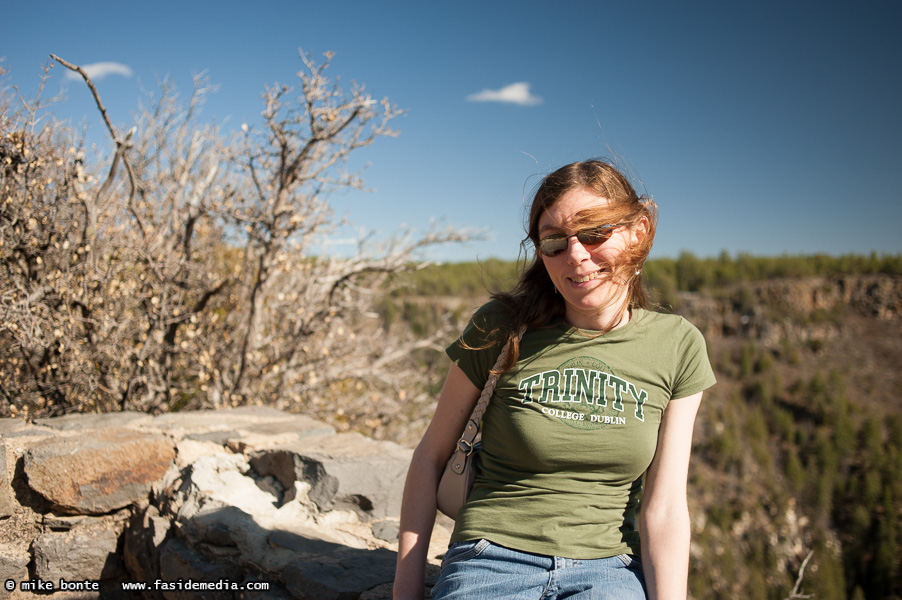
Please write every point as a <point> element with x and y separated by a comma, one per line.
<point>593,237</point>
<point>553,245</point>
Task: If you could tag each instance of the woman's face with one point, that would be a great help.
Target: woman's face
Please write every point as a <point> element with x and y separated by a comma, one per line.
<point>593,299</point>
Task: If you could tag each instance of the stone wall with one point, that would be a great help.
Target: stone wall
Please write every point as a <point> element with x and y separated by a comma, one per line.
<point>244,498</point>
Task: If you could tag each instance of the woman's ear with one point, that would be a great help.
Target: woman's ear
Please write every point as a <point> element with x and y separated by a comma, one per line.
<point>639,231</point>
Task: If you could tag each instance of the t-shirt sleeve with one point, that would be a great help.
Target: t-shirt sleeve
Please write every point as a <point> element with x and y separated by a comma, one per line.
<point>693,370</point>
<point>472,351</point>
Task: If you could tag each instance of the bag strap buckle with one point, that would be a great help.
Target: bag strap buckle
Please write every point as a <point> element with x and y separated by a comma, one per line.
<point>465,446</point>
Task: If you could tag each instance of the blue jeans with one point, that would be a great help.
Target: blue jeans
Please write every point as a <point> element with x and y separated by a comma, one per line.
<point>479,569</point>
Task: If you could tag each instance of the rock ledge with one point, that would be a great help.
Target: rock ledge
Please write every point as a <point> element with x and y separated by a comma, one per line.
<point>206,504</point>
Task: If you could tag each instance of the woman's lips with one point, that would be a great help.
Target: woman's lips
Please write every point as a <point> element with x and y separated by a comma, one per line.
<point>586,278</point>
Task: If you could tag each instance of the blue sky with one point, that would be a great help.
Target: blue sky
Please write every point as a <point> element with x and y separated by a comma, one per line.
<point>762,127</point>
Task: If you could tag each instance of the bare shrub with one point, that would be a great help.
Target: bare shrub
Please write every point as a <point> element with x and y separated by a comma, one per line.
<point>181,272</point>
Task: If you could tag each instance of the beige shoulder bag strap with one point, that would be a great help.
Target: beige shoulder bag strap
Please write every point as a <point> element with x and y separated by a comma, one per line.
<point>467,438</point>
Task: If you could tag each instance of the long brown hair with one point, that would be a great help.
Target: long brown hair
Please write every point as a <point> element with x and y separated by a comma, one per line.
<point>532,302</point>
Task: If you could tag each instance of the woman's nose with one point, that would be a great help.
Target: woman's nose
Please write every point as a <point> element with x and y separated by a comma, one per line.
<point>576,252</point>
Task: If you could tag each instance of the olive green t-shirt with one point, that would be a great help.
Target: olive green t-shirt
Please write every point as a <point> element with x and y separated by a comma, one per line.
<point>571,429</point>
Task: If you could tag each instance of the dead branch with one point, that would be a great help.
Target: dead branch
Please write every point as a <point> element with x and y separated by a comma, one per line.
<point>795,593</point>
<point>121,144</point>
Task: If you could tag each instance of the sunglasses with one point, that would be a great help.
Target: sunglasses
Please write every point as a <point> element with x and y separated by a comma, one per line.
<point>553,245</point>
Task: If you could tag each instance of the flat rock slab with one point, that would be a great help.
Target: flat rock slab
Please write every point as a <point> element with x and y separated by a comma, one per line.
<point>240,428</point>
<point>7,501</point>
<point>8,426</point>
<point>77,555</point>
<point>346,471</point>
<point>13,566</point>
<point>342,574</point>
<point>179,563</point>
<point>278,433</point>
<point>98,471</point>
<point>77,422</point>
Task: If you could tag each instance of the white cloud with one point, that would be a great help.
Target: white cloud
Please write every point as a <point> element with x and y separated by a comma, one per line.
<point>97,71</point>
<point>515,93</point>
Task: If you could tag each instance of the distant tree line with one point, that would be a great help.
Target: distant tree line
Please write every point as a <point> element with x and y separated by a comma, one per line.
<point>662,276</point>
<point>688,273</point>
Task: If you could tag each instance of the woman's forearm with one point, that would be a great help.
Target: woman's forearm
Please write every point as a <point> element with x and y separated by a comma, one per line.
<point>664,516</point>
<point>665,552</point>
<point>417,520</point>
<point>455,404</point>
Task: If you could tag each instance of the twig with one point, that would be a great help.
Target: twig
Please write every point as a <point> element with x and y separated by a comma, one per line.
<point>90,83</point>
<point>795,590</point>
<point>121,145</point>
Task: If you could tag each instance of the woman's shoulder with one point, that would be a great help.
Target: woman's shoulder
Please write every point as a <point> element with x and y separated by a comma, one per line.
<point>674,335</point>
<point>666,321</point>
<point>484,325</point>
<point>491,314</point>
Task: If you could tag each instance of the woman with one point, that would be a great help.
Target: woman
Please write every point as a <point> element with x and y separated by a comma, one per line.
<point>597,393</point>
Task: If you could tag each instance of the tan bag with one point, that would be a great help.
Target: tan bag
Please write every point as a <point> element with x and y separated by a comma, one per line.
<point>457,478</point>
